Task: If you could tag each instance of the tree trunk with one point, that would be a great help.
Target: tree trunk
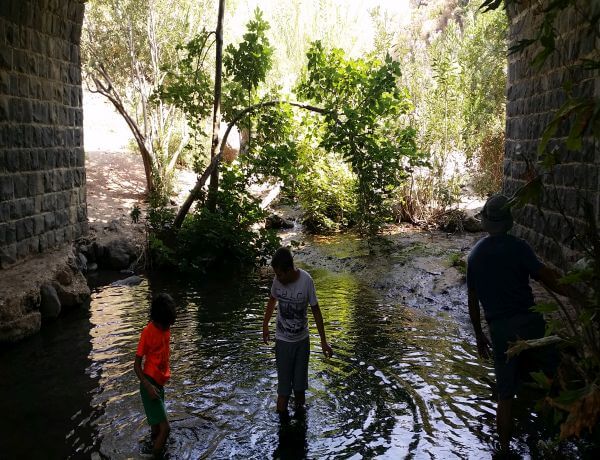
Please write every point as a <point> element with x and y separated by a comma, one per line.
<point>185,207</point>
<point>106,88</point>
<point>214,178</point>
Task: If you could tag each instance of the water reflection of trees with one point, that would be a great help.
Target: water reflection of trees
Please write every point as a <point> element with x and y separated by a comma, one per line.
<point>363,413</point>
<point>399,377</point>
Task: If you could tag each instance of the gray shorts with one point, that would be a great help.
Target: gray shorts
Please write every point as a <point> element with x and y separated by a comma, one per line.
<point>292,366</point>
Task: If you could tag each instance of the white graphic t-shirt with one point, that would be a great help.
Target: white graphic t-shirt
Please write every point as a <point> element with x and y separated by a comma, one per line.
<point>293,300</point>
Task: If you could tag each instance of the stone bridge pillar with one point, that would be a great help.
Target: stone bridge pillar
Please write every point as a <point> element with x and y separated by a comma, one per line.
<point>533,96</point>
<point>42,170</point>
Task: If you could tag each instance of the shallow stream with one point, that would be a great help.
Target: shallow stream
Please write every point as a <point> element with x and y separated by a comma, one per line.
<point>401,384</point>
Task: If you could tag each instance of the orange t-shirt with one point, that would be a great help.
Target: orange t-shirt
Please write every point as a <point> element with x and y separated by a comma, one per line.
<point>154,345</point>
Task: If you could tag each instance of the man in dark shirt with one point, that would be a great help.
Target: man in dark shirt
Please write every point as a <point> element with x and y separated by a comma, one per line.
<point>498,271</point>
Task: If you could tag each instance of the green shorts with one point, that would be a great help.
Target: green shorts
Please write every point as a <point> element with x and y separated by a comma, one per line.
<point>292,366</point>
<point>154,408</point>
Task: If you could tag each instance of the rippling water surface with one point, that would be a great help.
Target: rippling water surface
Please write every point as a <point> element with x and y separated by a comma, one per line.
<point>400,385</point>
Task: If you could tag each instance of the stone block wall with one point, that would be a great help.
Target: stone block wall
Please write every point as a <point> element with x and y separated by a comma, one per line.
<point>533,96</point>
<point>42,170</point>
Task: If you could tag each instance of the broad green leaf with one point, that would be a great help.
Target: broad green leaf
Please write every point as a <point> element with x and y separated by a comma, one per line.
<point>584,114</point>
<point>528,193</point>
<point>576,276</point>
<point>541,379</point>
<point>545,307</point>
<point>570,396</point>
<point>548,134</point>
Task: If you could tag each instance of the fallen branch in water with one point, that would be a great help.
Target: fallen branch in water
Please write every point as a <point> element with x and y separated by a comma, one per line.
<point>521,345</point>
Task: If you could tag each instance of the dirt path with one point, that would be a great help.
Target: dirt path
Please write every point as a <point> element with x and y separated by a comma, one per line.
<point>115,184</point>
<point>115,180</point>
<point>115,175</point>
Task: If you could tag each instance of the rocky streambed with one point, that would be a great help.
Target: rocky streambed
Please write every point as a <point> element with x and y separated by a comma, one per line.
<point>47,285</point>
<point>406,265</point>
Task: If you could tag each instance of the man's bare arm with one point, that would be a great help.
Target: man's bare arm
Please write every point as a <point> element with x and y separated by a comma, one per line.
<point>268,314</point>
<point>483,344</point>
<point>316,311</point>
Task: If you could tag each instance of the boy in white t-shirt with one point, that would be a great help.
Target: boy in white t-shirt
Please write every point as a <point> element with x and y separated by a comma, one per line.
<point>293,291</point>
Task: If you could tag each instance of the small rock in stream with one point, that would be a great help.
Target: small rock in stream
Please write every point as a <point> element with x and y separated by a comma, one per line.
<point>277,222</point>
<point>130,281</point>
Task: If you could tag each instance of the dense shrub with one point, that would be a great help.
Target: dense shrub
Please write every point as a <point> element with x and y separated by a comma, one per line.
<point>231,235</point>
<point>488,165</point>
<point>326,192</point>
<point>365,123</point>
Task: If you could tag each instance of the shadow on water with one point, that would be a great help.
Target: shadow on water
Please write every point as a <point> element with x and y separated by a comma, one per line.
<point>47,392</point>
<point>292,443</point>
<point>400,385</point>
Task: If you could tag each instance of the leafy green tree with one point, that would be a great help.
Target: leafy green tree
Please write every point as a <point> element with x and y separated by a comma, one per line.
<point>187,83</point>
<point>246,67</point>
<point>188,86</point>
<point>363,102</point>
<point>360,104</point>
<point>222,227</point>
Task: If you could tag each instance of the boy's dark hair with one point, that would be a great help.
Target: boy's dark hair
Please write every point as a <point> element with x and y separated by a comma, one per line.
<point>162,310</point>
<point>283,259</point>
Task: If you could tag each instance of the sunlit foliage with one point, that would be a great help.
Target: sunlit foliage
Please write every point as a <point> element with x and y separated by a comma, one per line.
<point>364,102</point>
<point>456,76</point>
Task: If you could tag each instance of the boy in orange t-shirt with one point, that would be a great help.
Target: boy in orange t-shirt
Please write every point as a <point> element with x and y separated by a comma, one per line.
<point>154,347</point>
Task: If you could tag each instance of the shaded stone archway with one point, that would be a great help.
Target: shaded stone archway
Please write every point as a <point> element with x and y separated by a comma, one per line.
<point>533,97</point>
<point>42,172</point>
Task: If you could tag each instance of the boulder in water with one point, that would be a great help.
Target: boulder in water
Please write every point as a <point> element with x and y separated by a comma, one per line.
<point>129,281</point>
<point>277,222</point>
<point>50,303</point>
